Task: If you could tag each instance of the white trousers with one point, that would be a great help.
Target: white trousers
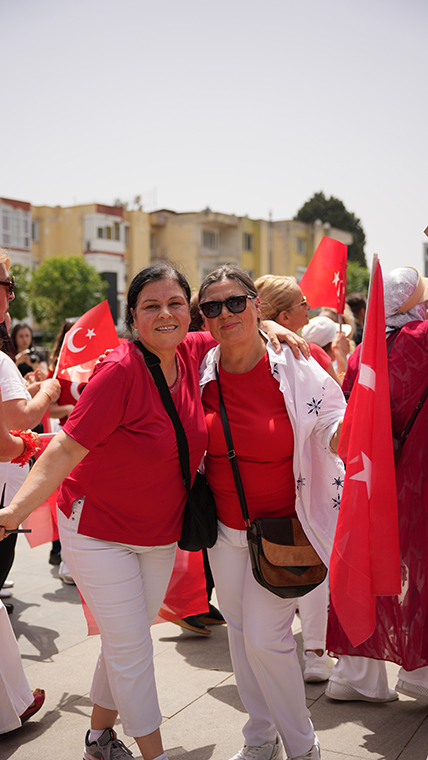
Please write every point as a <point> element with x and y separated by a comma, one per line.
<point>123,586</point>
<point>369,676</point>
<point>313,616</point>
<point>262,648</point>
<point>15,692</point>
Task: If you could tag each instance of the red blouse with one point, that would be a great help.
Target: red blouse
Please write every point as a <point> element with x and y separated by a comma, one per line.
<point>263,440</point>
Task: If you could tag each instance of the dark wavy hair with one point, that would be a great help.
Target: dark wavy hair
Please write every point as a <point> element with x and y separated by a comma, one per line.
<point>229,272</point>
<point>151,274</point>
<point>17,328</point>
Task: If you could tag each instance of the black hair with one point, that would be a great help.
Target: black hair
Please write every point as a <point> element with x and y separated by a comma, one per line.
<point>152,273</point>
<point>229,272</point>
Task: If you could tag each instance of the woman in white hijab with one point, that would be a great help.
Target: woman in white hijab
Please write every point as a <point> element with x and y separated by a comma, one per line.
<point>401,633</point>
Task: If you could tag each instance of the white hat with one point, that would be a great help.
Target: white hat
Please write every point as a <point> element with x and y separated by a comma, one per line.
<point>322,330</point>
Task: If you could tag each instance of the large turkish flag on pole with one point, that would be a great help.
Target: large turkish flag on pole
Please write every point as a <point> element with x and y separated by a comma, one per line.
<point>365,560</point>
<point>89,337</point>
<point>324,282</point>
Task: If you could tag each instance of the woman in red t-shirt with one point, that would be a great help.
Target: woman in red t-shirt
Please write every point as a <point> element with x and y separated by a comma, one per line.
<point>267,431</point>
<point>121,502</point>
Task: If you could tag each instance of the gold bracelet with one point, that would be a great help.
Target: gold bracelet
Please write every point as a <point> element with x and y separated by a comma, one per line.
<point>341,374</point>
<point>42,390</point>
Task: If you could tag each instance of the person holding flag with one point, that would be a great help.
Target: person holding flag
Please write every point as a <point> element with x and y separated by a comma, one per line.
<point>379,582</point>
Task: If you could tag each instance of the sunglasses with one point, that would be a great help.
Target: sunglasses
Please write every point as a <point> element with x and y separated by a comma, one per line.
<point>9,284</point>
<point>301,303</point>
<point>234,304</point>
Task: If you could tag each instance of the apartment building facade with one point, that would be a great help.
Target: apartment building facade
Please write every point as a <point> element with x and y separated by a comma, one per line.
<point>119,241</point>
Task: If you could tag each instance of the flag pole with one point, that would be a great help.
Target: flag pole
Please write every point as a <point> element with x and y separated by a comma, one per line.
<point>369,295</point>
<point>59,357</point>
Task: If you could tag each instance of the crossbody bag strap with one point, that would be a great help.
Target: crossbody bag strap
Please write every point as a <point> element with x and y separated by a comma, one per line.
<point>415,413</point>
<point>409,424</point>
<point>231,455</point>
<point>153,364</point>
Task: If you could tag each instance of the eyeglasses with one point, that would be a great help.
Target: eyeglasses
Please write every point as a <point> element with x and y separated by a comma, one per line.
<point>10,284</point>
<point>301,303</point>
<point>234,304</point>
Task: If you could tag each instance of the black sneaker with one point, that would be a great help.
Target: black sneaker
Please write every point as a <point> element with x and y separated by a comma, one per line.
<point>55,558</point>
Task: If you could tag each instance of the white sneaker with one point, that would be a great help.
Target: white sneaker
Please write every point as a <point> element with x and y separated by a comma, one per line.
<point>267,751</point>
<point>5,593</point>
<point>411,689</point>
<point>344,692</point>
<point>8,584</point>
<point>313,754</point>
<point>317,668</point>
<point>64,574</point>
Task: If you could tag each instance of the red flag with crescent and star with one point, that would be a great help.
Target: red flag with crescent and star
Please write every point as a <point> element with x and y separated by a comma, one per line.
<point>324,282</point>
<point>89,337</point>
<point>365,561</point>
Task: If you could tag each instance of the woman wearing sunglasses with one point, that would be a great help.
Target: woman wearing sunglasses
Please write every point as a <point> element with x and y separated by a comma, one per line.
<point>122,498</point>
<point>285,418</point>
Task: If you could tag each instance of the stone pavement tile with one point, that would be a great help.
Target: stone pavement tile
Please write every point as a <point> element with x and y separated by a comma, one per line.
<point>364,730</point>
<point>417,748</point>
<point>194,666</point>
<point>209,728</point>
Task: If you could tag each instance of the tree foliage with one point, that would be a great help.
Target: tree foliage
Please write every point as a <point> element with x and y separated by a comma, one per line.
<point>62,288</point>
<point>20,307</point>
<point>333,211</point>
<point>357,278</point>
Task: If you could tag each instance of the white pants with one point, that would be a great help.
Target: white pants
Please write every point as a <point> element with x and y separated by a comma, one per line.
<point>313,617</point>
<point>15,692</point>
<point>262,648</point>
<point>369,676</point>
<point>124,587</point>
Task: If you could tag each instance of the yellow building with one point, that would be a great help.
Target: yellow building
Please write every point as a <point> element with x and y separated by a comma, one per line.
<point>111,239</point>
<point>119,241</point>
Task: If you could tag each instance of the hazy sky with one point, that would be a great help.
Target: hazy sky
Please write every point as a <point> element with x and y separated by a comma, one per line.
<point>243,105</point>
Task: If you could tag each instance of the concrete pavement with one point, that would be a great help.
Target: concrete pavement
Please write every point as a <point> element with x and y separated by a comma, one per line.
<point>203,715</point>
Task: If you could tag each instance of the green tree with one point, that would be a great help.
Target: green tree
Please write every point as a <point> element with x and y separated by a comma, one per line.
<point>19,307</point>
<point>62,288</point>
<point>332,210</point>
<point>357,278</point>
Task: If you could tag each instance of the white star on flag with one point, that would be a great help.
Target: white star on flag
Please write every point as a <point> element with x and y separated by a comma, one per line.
<point>336,278</point>
<point>90,334</point>
<point>365,475</point>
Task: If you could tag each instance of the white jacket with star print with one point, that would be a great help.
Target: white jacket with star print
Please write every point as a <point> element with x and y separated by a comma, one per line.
<point>315,405</point>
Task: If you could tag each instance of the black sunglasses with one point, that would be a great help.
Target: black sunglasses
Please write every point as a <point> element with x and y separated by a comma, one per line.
<point>234,304</point>
<point>10,284</point>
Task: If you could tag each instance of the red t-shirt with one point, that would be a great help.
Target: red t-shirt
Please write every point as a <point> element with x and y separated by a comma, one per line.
<point>263,440</point>
<point>319,355</point>
<point>131,477</point>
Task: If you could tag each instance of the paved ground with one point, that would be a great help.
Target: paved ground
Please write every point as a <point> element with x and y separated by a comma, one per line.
<point>203,715</point>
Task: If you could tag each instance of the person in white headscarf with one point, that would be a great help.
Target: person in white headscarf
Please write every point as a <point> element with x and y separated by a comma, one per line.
<point>401,633</point>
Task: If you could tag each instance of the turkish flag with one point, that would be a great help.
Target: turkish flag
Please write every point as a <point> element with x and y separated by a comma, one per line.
<point>89,337</point>
<point>365,560</point>
<point>324,282</point>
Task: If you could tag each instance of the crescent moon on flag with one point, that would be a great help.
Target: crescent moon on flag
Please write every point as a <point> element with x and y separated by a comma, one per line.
<point>70,344</point>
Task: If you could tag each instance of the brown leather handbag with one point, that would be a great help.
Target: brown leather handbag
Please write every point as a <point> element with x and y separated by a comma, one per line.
<point>282,558</point>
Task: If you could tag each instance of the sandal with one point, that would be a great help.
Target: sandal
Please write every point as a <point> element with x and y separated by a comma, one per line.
<point>39,698</point>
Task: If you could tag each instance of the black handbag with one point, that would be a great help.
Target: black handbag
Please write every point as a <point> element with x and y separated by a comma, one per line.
<point>282,558</point>
<point>199,529</point>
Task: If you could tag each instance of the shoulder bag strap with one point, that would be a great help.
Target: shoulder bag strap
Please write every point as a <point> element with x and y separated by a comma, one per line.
<point>153,364</point>
<point>409,424</point>
<point>231,455</point>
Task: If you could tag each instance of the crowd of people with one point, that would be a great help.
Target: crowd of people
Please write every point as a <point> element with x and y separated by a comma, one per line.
<point>121,494</point>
